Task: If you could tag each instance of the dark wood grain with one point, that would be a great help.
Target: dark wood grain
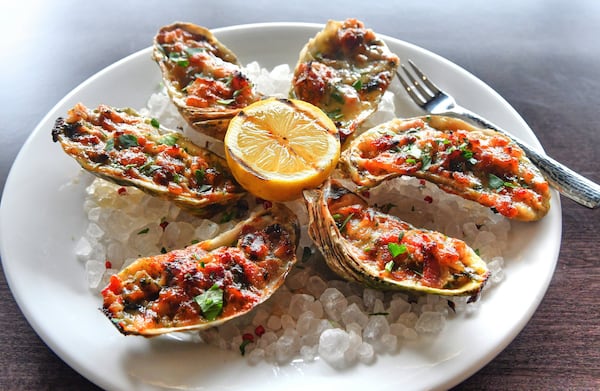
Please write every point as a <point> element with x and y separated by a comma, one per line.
<point>543,57</point>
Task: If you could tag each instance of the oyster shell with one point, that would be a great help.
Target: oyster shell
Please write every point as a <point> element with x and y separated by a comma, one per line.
<point>203,78</point>
<point>125,148</point>
<point>477,164</point>
<point>344,70</point>
<point>362,244</point>
<point>208,283</point>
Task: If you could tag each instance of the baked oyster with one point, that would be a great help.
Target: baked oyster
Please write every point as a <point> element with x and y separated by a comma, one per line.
<point>360,243</point>
<point>203,78</point>
<point>477,164</point>
<point>344,70</point>
<point>120,146</point>
<point>208,283</point>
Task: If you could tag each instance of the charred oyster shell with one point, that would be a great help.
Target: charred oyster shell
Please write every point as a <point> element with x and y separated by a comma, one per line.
<point>362,244</point>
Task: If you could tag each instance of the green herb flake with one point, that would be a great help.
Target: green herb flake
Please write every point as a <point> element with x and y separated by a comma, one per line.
<point>211,302</point>
<point>494,182</point>
<point>154,122</point>
<point>179,58</point>
<point>168,139</point>
<point>199,174</point>
<point>389,266</point>
<point>128,141</point>
<point>225,102</point>
<point>396,249</point>
<point>335,115</point>
<point>410,161</point>
<point>343,225</point>
<point>191,51</point>
<point>243,346</point>
<point>144,231</point>
<point>110,144</point>
<point>163,250</point>
<point>477,252</point>
<point>425,161</point>
<point>357,85</point>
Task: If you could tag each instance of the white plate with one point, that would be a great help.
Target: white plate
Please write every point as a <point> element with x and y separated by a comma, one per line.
<point>41,220</point>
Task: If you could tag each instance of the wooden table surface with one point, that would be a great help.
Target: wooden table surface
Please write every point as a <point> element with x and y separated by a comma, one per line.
<point>543,57</point>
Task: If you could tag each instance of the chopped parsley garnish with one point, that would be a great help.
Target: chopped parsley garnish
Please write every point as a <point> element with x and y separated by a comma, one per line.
<point>425,161</point>
<point>128,141</point>
<point>389,266</point>
<point>154,122</point>
<point>357,85</point>
<point>396,249</point>
<point>243,346</point>
<point>191,51</point>
<point>211,302</point>
<point>199,175</point>
<point>179,58</point>
<point>343,224</point>
<point>110,144</point>
<point>144,231</point>
<point>496,183</point>
<point>168,139</point>
<point>335,114</point>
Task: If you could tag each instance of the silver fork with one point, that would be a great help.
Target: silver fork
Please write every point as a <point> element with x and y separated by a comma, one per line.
<point>435,101</point>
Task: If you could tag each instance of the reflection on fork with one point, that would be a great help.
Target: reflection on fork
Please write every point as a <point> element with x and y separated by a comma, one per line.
<point>433,100</point>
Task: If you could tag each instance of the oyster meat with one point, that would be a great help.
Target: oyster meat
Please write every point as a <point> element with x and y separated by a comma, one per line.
<point>208,283</point>
<point>363,244</point>
<point>125,148</point>
<point>203,78</point>
<point>477,164</point>
<point>344,70</point>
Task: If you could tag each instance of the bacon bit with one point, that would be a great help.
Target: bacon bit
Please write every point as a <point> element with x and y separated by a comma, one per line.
<point>108,264</point>
<point>428,199</point>
<point>122,191</point>
<point>164,224</point>
<point>259,331</point>
<point>248,337</point>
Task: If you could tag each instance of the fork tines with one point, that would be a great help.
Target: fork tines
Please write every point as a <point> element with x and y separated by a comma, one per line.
<point>423,95</point>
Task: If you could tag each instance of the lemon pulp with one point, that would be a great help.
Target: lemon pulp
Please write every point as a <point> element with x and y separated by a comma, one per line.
<point>276,148</point>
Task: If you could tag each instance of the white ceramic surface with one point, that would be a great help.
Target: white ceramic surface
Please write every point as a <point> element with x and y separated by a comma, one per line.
<point>41,219</point>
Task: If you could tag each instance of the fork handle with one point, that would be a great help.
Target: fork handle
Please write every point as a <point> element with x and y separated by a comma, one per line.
<point>569,183</point>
